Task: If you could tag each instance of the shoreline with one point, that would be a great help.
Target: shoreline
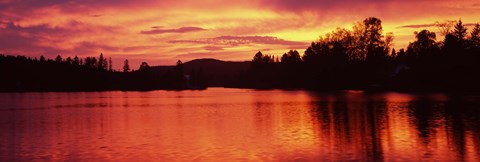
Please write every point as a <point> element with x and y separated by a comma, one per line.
<point>260,89</point>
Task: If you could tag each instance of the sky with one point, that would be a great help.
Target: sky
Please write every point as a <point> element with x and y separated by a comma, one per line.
<point>164,31</point>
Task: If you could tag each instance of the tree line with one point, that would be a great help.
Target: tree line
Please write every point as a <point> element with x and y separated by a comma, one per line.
<point>363,58</point>
<point>358,58</point>
<point>20,73</point>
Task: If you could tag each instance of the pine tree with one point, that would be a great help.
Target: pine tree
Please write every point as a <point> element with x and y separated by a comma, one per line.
<point>76,61</point>
<point>59,58</point>
<point>102,62</point>
<point>69,60</point>
<point>394,53</point>
<point>460,31</point>
<point>42,59</point>
<point>475,36</point>
<point>126,67</point>
<point>110,65</point>
<point>258,58</point>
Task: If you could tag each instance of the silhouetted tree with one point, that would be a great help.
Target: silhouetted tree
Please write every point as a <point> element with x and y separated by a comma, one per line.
<point>144,67</point>
<point>475,37</point>
<point>359,45</point>
<point>76,61</point>
<point>106,64</point>
<point>110,64</point>
<point>42,59</point>
<point>460,32</point>
<point>425,39</point>
<point>258,58</point>
<point>94,62</point>
<point>310,56</point>
<point>388,41</point>
<point>58,58</point>
<point>373,31</point>
<point>179,63</point>
<point>88,62</point>
<point>268,59</point>
<point>401,56</point>
<point>451,45</point>
<point>179,67</point>
<point>424,46</point>
<point>126,67</point>
<point>445,27</point>
<point>375,46</point>
<point>102,62</point>
<point>291,57</point>
<point>393,54</point>
<point>69,60</point>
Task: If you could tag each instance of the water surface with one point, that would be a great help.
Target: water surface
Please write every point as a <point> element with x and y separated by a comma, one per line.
<point>238,125</point>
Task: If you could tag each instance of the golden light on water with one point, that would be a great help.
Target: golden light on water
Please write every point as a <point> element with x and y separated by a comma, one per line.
<point>235,124</point>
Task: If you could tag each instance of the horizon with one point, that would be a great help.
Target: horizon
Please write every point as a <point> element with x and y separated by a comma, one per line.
<point>167,31</point>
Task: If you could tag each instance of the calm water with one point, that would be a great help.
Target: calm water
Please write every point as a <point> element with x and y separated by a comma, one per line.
<point>238,125</point>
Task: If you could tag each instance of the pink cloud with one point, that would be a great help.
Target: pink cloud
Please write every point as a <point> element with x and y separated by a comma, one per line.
<point>241,40</point>
<point>431,25</point>
<point>213,48</point>
<point>178,30</point>
<point>222,55</point>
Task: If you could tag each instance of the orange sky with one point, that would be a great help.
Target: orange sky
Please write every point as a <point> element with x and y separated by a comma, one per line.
<point>161,32</point>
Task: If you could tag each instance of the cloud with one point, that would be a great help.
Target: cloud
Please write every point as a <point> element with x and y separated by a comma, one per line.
<point>73,5</point>
<point>93,47</point>
<point>96,15</point>
<point>16,44</point>
<point>199,55</point>
<point>329,4</point>
<point>213,48</point>
<point>31,30</point>
<point>44,39</point>
<point>178,30</point>
<point>241,40</point>
<point>16,39</point>
<point>141,48</point>
<point>418,26</point>
<point>266,49</point>
<point>222,55</point>
<point>430,25</point>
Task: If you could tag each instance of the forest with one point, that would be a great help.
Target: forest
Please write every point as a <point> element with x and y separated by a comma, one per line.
<point>362,59</point>
<point>356,59</point>
<point>20,73</point>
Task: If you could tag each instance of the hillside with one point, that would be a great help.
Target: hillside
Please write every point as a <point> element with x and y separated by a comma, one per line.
<point>216,72</point>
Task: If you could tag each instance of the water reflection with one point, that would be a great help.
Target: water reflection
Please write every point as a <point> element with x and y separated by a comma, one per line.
<point>399,127</point>
<point>234,124</point>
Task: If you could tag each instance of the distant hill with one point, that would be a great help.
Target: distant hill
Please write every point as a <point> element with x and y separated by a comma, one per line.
<point>216,72</point>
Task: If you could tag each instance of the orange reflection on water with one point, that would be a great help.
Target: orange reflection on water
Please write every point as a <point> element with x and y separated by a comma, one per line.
<point>237,125</point>
<point>417,128</point>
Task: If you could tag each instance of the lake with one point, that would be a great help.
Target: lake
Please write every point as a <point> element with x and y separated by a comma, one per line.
<point>221,124</point>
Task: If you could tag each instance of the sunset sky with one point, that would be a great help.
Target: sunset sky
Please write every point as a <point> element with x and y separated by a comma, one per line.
<point>161,32</point>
